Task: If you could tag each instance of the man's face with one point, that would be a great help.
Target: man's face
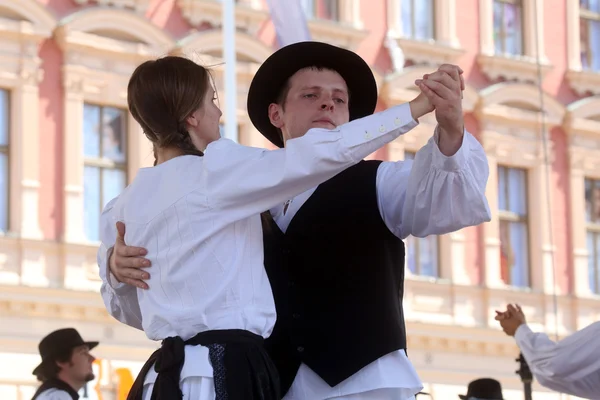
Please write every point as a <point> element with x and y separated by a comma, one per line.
<point>315,99</point>
<point>79,368</point>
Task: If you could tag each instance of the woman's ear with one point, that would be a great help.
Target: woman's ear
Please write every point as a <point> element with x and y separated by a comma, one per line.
<point>192,120</point>
<point>275,115</point>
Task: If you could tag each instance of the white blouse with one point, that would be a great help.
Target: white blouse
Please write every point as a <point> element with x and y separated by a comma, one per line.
<point>570,366</point>
<point>198,217</point>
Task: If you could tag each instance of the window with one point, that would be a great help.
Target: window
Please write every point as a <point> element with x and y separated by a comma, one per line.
<point>514,233</point>
<point>4,175</point>
<point>508,27</point>
<point>592,218</point>
<point>589,34</point>
<point>417,19</point>
<point>322,9</point>
<point>422,253</point>
<point>105,162</point>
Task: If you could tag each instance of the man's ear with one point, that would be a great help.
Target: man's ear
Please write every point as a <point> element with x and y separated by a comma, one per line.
<point>62,365</point>
<point>275,115</point>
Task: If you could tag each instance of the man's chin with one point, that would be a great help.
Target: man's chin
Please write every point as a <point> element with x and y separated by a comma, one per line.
<point>323,125</point>
<point>90,377</point>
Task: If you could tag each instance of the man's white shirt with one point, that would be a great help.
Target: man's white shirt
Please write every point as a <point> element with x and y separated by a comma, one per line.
<point>436,178</point>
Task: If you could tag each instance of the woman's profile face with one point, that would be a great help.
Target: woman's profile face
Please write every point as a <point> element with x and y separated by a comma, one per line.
<point>207,118</point>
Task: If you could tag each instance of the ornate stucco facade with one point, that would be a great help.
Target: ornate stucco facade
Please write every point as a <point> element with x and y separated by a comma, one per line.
<point>58,56</point>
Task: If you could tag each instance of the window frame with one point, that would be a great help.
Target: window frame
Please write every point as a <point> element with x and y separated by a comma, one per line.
<point>432,21</point>
<point>96,68</point>
<point>510,135</point>
<point>443,48</point>
<point>6,151</point>
<point>588,16</point>
<point>582,128</point>
<point>593,227</point>
<point>582,81</point>
<point>520,5</point>
<point>524,67</point>
<point>21,76</point>
<point>102,163</point>
<point>509,217</point>
<point>312,15</point>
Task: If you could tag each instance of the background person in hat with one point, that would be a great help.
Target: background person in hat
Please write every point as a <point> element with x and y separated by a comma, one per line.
<point>483,389</point>
<point>66,365</point>
<point>334,254</point>
<point>570,366</point>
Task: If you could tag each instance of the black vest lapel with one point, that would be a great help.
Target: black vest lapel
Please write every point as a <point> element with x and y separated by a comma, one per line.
<point>56,384</point>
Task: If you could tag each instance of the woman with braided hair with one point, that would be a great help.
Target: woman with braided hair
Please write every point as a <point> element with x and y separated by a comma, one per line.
<point>197,212</point>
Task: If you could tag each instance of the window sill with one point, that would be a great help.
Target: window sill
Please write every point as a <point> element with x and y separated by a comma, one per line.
<point>521,289</point>
<point>336,33</point>
<point>8,234</point>
<point>83,245</point>
<point>512,68</point>
<point>428,52</point>
<point>426,278</point>
<point>584,82</point>
<point>140,6</point>
<point>247,18</point>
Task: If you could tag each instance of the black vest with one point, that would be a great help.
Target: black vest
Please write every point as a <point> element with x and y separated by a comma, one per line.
<point>56,384</point>
<point>337,276</point>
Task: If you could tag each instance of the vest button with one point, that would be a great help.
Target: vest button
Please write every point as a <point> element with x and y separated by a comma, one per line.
<point>296,316</point>
<point>286,251</point>
<point>291,284</point>
<point>300,349</point>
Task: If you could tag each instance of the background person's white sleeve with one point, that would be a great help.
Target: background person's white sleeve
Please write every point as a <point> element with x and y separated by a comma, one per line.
<point>571,365</point>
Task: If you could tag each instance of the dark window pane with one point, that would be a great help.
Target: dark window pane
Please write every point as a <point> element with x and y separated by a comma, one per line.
<point>508,28</point>
<point>3,192</point>
<point>502,189</point>
<point>91,130</point>
<point>519,243</point>
<point>4,117</point>
<point>91,202</point>
<point>517,191</point>
<point>113,134</point>
<point>592,263</point>
<point>113,183</point>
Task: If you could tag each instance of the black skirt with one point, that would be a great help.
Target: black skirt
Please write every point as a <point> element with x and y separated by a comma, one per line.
<point>242,369</point>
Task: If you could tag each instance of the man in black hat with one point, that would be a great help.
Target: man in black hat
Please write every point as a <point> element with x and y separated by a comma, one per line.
<point>483,389</point>
<point>66,365</point>
<point>334,255</point>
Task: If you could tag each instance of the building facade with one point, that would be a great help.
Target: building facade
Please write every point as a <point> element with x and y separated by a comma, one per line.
<point>68,145</point>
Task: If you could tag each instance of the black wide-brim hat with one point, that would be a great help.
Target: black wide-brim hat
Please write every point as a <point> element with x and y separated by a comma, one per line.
<point>484,388</point>
<point>59,343</point>
<point>285,62</point>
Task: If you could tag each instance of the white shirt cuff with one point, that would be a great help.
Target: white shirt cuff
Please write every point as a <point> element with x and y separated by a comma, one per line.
<point>455,162</point>
<point>521,333</point>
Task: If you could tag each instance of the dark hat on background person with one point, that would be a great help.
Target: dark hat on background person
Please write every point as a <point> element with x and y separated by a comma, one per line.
<point>60,343</point>
<point>484,388</point>
<point>274,73</point>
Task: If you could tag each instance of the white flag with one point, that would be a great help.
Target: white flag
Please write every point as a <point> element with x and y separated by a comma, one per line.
<point>289,20</point>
